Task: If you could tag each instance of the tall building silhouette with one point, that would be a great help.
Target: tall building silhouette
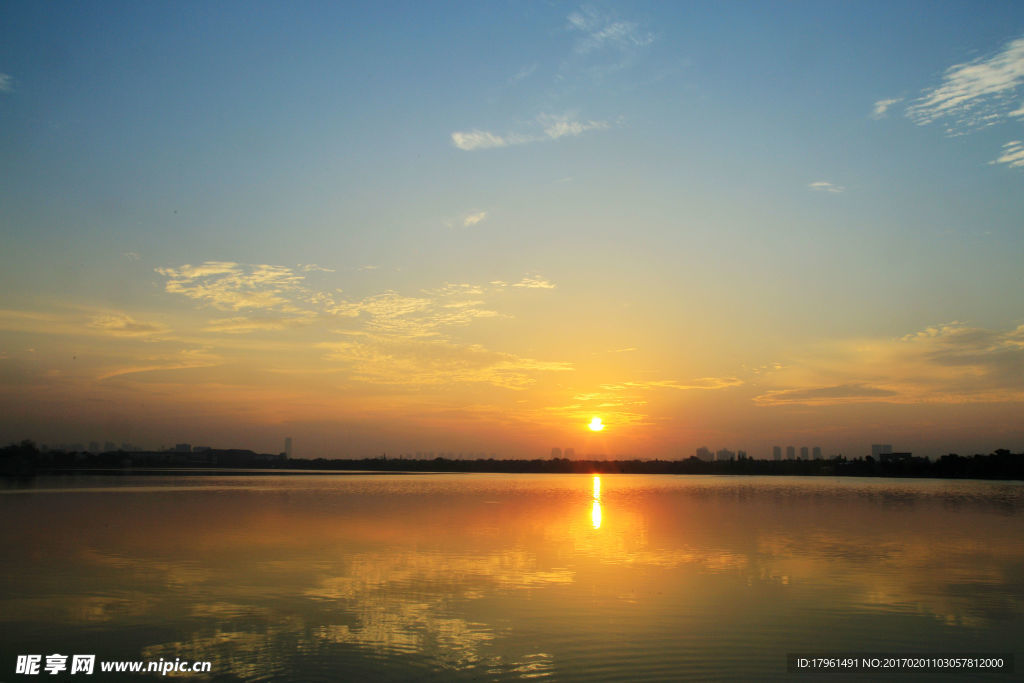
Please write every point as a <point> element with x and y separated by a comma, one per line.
<point>878,449</point>
<point>790,453</point>
<point>288,447</point>
<point>816,451</point>
<point>803,453</point>
<point>776,452</point>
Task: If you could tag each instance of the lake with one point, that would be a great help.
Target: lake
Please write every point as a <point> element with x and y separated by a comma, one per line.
<point>500,577</point>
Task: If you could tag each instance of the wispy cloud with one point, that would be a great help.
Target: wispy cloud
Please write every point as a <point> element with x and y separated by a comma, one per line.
<point>550,128</point>
<point>702,383</point>
<point>389,338</point>
<point>974,94</point>
<point>246,325</point>
<point>284,299</point>
<point>232,286</point>
<point>474,218</point>
<point>6,83</point>
<point>600,30</point>
<point>77,321</point>
<point>385,359</point>
<point>840,393</point>
<point>1013,154</point>
<point>413,316</point>
<point>183,360</point>
<point>481,139</point>
<point>950,363</point>
<point>123,325</point>
<point>882,107</point>
<point>534,282</point>
<point>604,47</point>
<point>561,126</point>
<point>523,74</point>
<point>824,186</point>
<point>312,267</point>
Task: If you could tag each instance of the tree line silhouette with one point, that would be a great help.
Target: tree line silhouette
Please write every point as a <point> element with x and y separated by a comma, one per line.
<point>25,459</point>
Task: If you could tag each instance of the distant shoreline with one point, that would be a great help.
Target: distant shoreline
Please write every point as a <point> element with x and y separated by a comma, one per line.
<point>24,459</point>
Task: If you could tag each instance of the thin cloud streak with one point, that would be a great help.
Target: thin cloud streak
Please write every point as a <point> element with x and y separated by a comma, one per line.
<point>534,282</point>
<point>123,325</point>
<point>702,383</point>
<point>552,128</point>
<point>601,30</point>
<point>882,107</point>
<point>974,94</point>
<point>825,186</point>
<point>1013,154</point>
<point>951,364</point>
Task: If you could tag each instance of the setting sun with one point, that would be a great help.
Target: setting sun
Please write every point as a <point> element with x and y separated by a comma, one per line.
<point>595,425</point>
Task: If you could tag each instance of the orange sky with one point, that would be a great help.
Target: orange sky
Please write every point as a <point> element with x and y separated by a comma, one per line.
<point>474,232</point>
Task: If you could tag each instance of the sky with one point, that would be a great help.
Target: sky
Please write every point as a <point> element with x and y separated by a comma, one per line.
<point>472,227</point>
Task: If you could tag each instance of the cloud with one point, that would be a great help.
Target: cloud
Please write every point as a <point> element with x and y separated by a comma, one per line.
<point>824,395</point>
<point>882,107</point>
<point>231,286</point>
<point>6,83</point>
<point>183,360</point>
<point>479,139</point>
<point>560,126</point>
<point>950,363</point>
<point>824,186</point>
<point>390,337</point>
<point>550,128</point>
<point>1012,156</point>
<point>77,322</point>
<point>385,359</point>
<point>705,383</point>
<point>123,325</point>
<point>245,325</point>
<point>416,316</point>
<point>278,290</point>
<point>974,94</point>
<point>534,282</point>
<point>599,31</point>
<point>474,218</point>
<point>386,306</point>
<point>522,74</point>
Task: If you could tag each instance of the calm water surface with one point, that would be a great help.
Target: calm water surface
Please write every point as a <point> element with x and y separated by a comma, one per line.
<point>483,577</point>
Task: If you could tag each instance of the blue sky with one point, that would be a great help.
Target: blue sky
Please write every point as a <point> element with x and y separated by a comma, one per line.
<point>721,187</point>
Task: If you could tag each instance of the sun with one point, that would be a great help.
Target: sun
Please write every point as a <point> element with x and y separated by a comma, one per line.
<point>595,425</point>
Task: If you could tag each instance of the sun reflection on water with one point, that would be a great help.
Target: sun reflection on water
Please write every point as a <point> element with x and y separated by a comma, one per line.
<point>595,511</point>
